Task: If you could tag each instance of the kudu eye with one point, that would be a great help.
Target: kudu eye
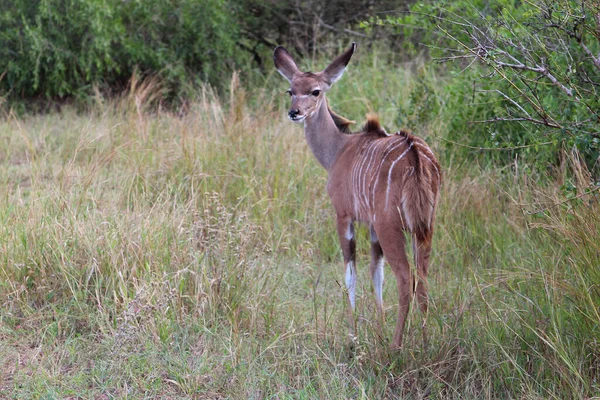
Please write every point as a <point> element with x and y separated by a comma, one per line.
<point>316,92</point>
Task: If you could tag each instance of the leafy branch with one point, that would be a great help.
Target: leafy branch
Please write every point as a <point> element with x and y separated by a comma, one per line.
<point>546,43</point>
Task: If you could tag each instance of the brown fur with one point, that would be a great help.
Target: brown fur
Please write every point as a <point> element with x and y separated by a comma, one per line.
<point>372,126</point>
<point>419,196</point>
<point>389,182</point>
<point>342,123</point>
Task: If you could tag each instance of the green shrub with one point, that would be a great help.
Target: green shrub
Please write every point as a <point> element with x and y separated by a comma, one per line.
<point>60,48</point>
<point>526,74</point>
<point>56,49</point>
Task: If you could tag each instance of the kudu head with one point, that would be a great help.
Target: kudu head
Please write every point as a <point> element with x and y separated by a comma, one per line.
<point>307,89</point>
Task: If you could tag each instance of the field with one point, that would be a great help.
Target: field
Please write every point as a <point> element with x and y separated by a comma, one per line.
<point>192,254</point>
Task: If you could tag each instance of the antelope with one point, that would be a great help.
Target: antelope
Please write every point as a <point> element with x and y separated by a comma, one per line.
<point>391,183</point>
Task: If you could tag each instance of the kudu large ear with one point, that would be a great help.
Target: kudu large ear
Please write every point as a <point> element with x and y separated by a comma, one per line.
<point>336,69</point>
<point>285,63</point>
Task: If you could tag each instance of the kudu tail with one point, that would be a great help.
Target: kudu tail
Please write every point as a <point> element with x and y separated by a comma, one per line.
<point>421,189</point>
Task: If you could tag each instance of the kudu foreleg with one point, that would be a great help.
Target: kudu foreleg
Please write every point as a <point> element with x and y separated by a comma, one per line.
<point>377,274</point>
<point>345,229</point>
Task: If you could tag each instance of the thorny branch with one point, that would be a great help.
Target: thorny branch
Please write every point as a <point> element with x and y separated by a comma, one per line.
<point>515,53</point>
<point>537,121</point>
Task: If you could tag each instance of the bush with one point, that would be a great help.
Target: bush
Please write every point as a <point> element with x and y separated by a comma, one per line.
<point>56,49</point>
<point>59,48</point>
<point>527,74</point>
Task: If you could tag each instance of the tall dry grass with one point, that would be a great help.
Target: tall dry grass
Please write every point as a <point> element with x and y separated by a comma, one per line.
<point>149,253</point>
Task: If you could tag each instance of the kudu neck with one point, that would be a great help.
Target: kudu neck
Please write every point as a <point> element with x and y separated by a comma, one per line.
<point>323,136</point>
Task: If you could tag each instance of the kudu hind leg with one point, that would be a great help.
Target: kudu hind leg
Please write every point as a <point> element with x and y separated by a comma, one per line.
<point>393,244</point>
<point>377,262</point>
<point>422,251</point>
<point>345,229</point>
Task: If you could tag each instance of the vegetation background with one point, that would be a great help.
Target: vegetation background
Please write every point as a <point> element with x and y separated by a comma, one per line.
<point>165,232</point>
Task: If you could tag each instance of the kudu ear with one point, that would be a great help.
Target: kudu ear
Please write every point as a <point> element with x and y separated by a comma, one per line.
<point>285,63</point>
<point>336,69</point>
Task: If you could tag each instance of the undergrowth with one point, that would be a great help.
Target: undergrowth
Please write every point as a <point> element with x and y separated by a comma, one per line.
<point>153,254</point>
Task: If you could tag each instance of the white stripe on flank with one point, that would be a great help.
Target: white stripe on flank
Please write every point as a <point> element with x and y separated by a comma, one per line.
<point>356,181</point>
<point>365,173</point>
<point>352,180</point>
<point>351,283</point>
<point>364,189</point>
<point>357,177</point>
<point>432,163</point>
<point>389,180</point>
<point>387,151</point>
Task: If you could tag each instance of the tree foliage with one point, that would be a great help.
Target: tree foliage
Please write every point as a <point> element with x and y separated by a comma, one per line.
<point>305,25</point>
<point>54,49</point>
<point>59,48</point>
<point>528,76</point>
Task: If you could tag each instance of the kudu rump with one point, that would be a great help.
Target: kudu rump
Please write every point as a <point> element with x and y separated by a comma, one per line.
<point>389,182</point>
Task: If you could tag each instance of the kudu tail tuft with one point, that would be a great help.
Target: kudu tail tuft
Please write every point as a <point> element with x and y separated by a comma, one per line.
<point>421,187</point>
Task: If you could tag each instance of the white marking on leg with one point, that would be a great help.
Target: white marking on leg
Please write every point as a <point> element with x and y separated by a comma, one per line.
<point>350,232</point>
<point>374,238</point>
<point>351,283</point>
<point>378,282</point>
<point>389,179</point>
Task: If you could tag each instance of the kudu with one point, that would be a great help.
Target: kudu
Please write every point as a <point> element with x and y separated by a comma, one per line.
<point>389,182</point>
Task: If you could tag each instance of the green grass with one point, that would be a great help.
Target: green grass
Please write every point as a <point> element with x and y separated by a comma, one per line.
<point>148,254</point>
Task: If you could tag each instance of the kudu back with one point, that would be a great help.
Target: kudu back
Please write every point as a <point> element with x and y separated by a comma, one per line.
<point>391,183</point>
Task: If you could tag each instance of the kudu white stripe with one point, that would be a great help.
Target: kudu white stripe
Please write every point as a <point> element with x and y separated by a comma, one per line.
<point>388,151</point>
<point>389,178</point>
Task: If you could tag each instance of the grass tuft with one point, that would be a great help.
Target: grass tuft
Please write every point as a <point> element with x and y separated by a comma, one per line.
<point>192,254</point>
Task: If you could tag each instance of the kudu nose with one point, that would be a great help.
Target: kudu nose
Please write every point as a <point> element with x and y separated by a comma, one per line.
<point>293,113</point>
